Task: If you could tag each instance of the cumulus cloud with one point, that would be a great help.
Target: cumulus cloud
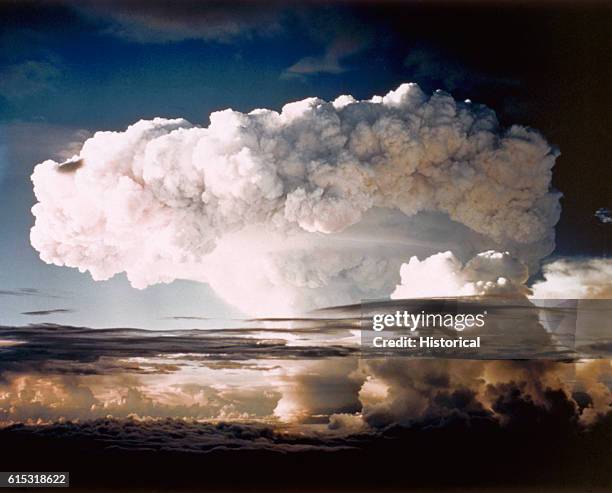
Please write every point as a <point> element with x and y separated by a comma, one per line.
<point>412,391</point>
<point>488,273</point>
<point>319,389</point>
<point>53,373</point>
<point>565,314</point>
<point>33,398</point>
<point>575,278</point>
<point>317,204</point>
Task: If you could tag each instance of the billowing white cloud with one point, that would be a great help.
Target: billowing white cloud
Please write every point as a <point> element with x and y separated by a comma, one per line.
<point>443,274</point>
<point>314,205</point>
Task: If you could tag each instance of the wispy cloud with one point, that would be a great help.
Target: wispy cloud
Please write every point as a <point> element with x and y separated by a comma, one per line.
<point>329,62</point>
<point>48,312</point>
<point>160,21</point>
<point>72,347</point>
<point>27,78</point>
<point>28,292</point>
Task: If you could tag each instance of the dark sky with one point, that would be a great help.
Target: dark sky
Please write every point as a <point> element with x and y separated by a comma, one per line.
<point>69,68</point>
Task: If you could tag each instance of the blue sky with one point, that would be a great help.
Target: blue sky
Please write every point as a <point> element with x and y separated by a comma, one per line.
<point>65,74</point>
<point>68,69</point>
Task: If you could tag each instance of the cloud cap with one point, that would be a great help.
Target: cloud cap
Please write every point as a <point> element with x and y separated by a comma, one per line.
<point>292,190</point>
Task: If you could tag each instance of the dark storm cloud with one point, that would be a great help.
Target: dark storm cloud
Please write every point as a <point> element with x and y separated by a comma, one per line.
<point>508,391</point>
<point>547,449</point>
<point>181,436</point>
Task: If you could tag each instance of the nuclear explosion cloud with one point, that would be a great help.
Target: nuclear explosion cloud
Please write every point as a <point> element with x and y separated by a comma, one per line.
<point>443,275</point>
<point>319,204</point>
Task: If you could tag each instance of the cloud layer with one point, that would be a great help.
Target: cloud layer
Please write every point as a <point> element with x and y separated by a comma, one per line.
<point>313,373</point>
